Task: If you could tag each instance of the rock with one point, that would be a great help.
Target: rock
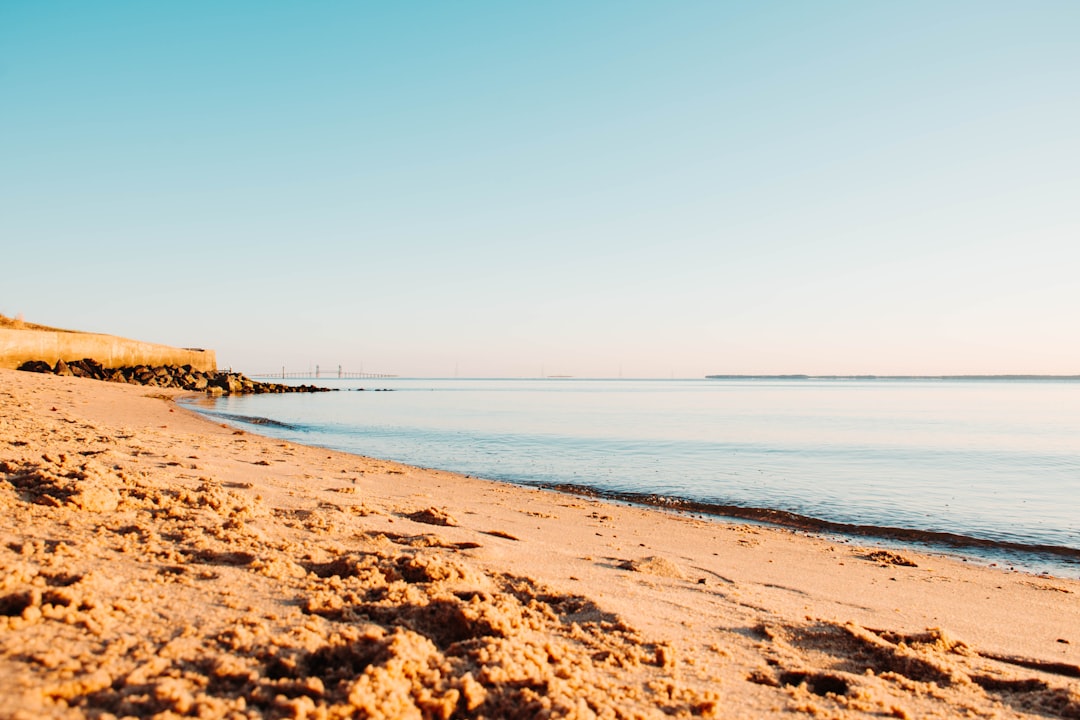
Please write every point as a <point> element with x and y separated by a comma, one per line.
<point>166,376</point>
<point>78,369</point>
<point>38,366</point>
<point>95,368</point>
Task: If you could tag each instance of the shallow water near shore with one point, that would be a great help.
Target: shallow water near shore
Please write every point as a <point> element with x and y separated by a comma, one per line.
<point>989,468</point>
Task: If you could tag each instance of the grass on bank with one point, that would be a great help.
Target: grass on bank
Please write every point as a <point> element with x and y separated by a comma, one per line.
<point>18,323</point>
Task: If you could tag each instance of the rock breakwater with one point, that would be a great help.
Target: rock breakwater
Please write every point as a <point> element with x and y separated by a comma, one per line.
<point>183,377</point>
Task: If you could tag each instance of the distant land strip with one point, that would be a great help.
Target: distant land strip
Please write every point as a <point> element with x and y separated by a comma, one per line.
<point>892,377</point>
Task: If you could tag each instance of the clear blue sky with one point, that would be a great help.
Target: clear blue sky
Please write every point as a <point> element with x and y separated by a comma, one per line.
<point>581,188</point>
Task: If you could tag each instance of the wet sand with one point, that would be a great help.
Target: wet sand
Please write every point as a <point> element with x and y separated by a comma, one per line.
<point>155,563</point>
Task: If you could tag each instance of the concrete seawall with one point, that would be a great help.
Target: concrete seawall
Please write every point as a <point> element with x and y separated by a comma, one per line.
<point>19,346</point>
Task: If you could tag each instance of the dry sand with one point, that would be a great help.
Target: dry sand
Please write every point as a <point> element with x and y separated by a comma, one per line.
<point>157,564</point>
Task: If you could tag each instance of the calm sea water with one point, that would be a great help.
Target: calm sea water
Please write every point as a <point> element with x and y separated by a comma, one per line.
<point>994,463</point>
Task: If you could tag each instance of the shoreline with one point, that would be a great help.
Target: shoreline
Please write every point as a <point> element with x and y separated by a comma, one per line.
<point>914,539</point>
<point>1031,557</point>
<point>330,583</point>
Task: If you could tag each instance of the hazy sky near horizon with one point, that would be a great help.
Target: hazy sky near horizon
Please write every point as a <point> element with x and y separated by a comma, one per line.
<point>578,188</point>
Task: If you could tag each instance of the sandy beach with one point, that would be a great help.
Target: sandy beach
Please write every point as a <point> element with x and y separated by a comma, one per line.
<point>155,563</point>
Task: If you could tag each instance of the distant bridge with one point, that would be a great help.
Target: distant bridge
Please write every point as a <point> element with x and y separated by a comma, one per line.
<point>320,374</point>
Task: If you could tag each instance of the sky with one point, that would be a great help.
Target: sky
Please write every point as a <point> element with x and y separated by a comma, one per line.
<point>587,188</point>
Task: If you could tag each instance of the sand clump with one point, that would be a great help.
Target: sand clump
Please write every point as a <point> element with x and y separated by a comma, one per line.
<point>659,566</point>
<point>154,564</point>
<point>433,516</point>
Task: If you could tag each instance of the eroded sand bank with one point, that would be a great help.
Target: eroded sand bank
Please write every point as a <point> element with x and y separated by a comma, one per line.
<point>155,563</point>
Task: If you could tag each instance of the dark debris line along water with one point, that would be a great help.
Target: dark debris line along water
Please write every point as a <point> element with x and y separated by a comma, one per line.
<point>991,468</point>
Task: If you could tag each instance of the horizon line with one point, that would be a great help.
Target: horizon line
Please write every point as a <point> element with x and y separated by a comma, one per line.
<point>967,376</point>
<point>735,376</point>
